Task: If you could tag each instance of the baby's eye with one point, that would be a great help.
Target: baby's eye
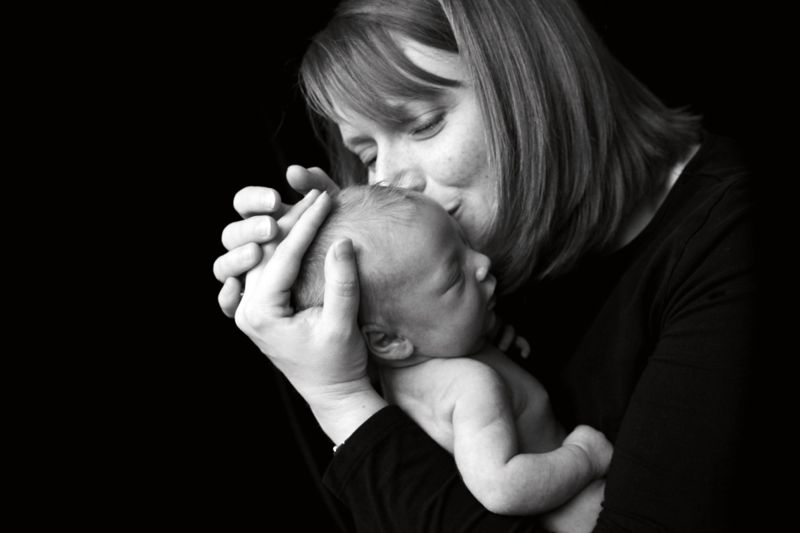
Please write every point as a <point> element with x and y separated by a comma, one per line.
<point>459,278</point>
<point>455,281</point>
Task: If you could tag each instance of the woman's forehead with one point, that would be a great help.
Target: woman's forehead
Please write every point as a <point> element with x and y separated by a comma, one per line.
<point>411,96</point>
<point>353,123</point>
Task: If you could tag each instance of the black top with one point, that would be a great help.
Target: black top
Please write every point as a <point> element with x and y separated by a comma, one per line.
<point>651,345</point>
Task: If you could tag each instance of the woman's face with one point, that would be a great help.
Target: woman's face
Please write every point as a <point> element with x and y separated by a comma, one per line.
<point>442,152</point>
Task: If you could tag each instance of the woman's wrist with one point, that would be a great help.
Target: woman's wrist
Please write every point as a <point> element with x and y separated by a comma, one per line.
<point>340,413</point>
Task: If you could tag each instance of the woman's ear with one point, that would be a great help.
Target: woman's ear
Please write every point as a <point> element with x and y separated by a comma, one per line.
<point>386,344</point>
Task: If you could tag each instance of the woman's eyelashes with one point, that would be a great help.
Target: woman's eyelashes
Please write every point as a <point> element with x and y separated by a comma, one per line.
<point>423,130</point>
<point>369,161</point>
<point>430,127</point>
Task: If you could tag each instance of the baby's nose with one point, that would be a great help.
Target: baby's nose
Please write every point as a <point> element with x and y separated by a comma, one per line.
<point>482,266</point>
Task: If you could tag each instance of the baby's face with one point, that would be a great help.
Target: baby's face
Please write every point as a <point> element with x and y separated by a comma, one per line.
<point>445,307</point>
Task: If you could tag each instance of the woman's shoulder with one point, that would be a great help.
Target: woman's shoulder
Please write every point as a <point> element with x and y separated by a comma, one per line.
<point>720,161</point>
<point>715,185</point>
<point>708,233</point>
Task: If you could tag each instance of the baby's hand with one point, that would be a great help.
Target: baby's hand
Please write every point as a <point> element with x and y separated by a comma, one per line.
<point>596,446</point>
<point>505,337</point>
<point>579,515</point>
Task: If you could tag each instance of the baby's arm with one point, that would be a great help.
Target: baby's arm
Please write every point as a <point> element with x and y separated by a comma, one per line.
<point>486,452</point>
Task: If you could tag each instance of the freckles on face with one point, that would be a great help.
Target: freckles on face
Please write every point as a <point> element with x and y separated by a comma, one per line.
<point>442,152</point>
<point>462,177</point>
<point>476,200</point>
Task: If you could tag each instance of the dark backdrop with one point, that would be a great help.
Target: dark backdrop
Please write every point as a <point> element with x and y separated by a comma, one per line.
<point>219,111</point>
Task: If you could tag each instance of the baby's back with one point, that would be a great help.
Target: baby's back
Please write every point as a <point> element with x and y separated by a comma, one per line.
<point>428,393</point>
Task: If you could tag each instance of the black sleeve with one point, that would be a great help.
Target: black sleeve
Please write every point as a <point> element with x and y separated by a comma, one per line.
<point>680,452</point>
<point>681,461</point>
<point>394,478</point>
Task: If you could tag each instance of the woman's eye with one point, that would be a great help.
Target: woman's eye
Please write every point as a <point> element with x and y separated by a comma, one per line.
<point>369,162</point>
<point>430,126</point>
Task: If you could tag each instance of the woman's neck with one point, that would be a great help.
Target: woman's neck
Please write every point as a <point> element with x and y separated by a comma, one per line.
<point>647,208</point>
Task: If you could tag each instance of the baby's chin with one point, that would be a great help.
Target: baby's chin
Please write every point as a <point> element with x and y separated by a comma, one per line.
<point>492,326</point>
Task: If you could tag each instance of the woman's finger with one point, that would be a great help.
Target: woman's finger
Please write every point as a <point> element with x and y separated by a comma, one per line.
<point>290,218</point>
<point>258,201</point>
<point>237,261</point>
<point>256,229</point>
<point>229,296</point>
<point>340,307</point>
<point>280,273</point>
<point>304,180</point>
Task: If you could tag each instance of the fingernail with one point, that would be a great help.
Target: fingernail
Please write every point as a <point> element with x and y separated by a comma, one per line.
<point>269,202</point>
<point>343,249</point>
<point>266,229</point>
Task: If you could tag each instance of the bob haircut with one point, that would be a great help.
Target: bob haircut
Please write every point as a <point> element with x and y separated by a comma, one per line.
<point>575,140</point>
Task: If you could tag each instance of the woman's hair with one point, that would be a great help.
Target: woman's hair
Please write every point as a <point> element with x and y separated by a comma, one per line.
<point>575,139</point>
<point>370,216</point>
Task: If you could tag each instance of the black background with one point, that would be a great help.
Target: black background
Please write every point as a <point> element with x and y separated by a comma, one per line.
<point>203,104</point>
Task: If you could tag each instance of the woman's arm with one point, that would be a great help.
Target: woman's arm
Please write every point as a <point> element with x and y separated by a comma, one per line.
<point>342,399</point>
<point>319,350</point>
<point>681,458</point>
<point>396,479</point>
<point>322,354</point>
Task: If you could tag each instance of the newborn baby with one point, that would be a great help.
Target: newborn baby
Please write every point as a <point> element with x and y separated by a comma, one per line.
<point>426,314</point>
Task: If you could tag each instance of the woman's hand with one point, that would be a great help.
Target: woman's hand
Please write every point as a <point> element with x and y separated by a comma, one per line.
<point>261,208</point>
<point>319,350</point>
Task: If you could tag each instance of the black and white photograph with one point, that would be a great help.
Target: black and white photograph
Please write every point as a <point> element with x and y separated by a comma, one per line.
<point>454,265</point>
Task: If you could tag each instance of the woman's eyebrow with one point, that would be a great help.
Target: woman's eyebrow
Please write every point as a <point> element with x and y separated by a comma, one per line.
<point>353,142</point>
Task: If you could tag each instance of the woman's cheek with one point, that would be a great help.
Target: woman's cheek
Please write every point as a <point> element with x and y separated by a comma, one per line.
<point>475,221</point>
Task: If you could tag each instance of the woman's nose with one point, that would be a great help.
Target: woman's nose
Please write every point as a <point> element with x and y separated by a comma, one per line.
<point>396,167</point>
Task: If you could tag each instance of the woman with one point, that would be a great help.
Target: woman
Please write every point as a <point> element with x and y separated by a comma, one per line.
<point>620,230</point>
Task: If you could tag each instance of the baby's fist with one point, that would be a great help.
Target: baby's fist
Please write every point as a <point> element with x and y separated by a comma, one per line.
<point>596,446</point>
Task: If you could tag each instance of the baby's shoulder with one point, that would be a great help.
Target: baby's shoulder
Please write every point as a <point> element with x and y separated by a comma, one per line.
<point>471,378</point>
<point>464,368</point>
<point>450,378</point>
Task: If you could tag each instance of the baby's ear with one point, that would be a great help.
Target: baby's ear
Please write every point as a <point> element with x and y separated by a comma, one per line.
<point>386,344</point>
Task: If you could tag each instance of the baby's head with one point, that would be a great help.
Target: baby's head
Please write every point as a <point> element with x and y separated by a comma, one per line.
<point>424,291</point>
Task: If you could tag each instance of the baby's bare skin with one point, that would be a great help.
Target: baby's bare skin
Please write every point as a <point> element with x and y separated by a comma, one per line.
<point>496,420</point>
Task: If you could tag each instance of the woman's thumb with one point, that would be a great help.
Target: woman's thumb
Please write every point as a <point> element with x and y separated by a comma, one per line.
<point>340,307</point>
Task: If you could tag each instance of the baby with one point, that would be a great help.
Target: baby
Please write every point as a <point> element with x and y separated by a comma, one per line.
<point>426,313</point>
